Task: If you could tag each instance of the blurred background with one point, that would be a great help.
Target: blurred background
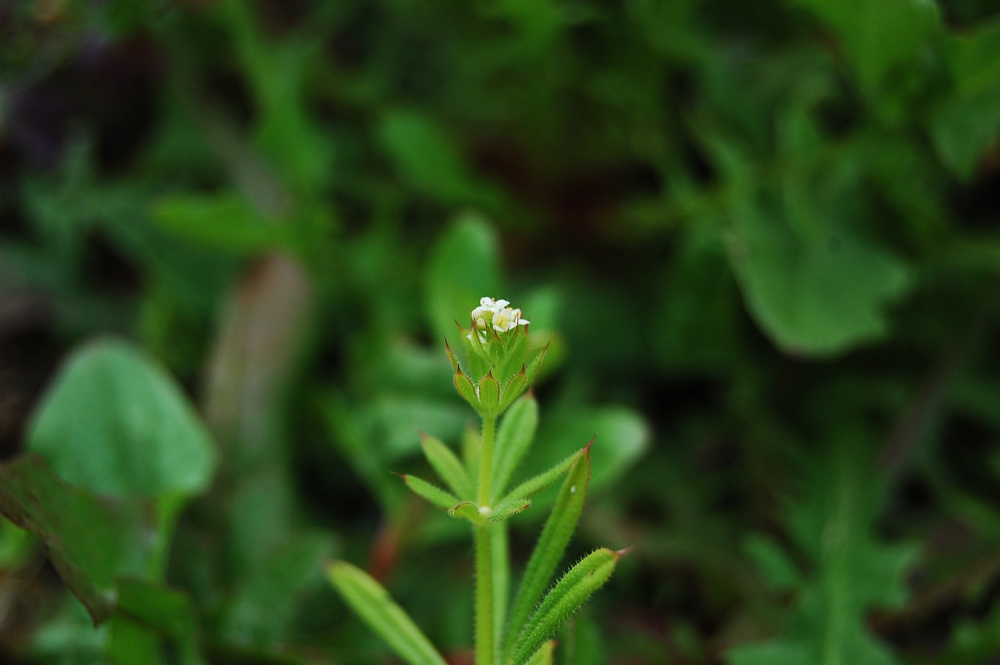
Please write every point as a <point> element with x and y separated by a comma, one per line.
<point>763,239</point>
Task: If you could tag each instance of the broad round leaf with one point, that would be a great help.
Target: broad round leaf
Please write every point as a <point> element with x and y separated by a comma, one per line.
<point>115,422</point>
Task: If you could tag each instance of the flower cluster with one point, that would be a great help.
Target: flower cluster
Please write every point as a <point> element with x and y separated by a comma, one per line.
<point>497,314</point>
<point>500,361</point>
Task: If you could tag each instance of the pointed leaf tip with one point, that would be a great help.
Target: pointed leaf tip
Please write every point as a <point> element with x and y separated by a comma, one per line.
<point>489,393</point>
<point>451,356</point>
<point>563,600</point>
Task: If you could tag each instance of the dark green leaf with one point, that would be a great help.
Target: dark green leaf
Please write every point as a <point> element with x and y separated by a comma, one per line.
<point>91,540</point>
<point>818,296</point>
<point>166,611</point>
<point>425,155</point>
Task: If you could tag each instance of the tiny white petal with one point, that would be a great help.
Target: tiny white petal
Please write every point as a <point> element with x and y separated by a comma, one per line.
<point>500,304</point>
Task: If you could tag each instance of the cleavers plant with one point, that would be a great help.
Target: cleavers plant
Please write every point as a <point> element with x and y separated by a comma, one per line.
<point>500,366</point>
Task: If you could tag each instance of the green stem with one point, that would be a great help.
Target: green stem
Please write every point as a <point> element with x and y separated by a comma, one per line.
<point>486,461</point>
<point>484,596</point>
<point>485,639</point>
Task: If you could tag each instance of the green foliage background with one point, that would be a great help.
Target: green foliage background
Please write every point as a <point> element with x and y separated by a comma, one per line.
<point>762,236</point>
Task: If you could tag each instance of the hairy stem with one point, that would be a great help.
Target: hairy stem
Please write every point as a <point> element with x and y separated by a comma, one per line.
<point>486,461</point>
<point>484,597</point>
<point>485,637</point>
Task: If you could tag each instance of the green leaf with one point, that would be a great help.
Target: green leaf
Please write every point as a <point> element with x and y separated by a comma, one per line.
<point>514,388</point>
<point>489,394</point>
<point>16,545</point>
<point>819,296</point>
<point>543,480</point>
<point>375,606</point>
<point>549,549</point>
<point>277,71</point>
<point>773,563</point>
<point>451,357</point>
<point>132,643</point>
<point>565,598</point>
<point>464,266</point>
<point>962,126</point>
<point>431,493</point>
<point>962,123</point>
<point>878,36</point>
<point>514,437</point>
<point>834,524</point>
<point>544,654</point>
<point>164,610</point>
<point>116,423</point>
<point>516,344</point>
<point>467,390</point>
<point>425,156</point>
<point>507,509</point>
<point>447,465</point>
<point>475,352</point>
<point>468,511</point>
<point>471,443</point>
<point>91,540</point>
<point>225,222</point>
<point>534,363</point>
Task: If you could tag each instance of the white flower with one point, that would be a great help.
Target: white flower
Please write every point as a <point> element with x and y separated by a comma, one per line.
<point>491,304</point>
<point>488,307</point>
<point>508,319</point>
<point>479,316</point>
<point>497,314</point>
